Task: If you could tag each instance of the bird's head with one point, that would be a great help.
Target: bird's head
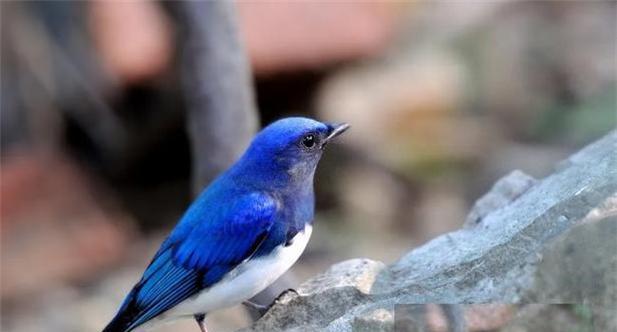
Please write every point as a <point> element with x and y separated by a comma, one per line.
<point>291,145</point>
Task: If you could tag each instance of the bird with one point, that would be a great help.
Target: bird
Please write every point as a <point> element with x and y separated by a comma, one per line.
<point>241,233</point>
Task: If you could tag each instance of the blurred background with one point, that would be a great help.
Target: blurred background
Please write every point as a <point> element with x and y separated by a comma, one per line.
<point>444,98</point>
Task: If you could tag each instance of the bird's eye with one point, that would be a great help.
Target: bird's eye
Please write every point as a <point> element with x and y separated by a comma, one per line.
<point>308,141</point>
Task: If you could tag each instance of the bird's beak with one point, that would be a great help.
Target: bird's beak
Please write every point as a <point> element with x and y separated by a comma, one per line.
<point>335,129</point>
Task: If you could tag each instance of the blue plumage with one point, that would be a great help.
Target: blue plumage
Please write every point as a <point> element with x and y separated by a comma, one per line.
<point>259,204</point>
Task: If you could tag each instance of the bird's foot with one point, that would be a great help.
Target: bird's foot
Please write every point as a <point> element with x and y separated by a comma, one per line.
<point>199,318</point>
<point>289,290</point>
<point>260,308</point>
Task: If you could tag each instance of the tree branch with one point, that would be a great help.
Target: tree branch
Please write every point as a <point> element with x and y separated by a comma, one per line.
<point>222,116</point>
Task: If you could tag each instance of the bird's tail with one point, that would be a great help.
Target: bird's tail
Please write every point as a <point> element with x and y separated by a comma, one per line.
<point>120,323</point>
<point>125,318</point>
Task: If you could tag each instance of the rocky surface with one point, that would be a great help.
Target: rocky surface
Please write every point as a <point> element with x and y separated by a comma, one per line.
<point>511,248</point>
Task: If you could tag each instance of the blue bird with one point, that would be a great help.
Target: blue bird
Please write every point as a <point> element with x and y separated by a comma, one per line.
<point>244,230</point>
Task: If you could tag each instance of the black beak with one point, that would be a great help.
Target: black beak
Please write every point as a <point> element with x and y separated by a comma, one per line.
<point>335,129</point>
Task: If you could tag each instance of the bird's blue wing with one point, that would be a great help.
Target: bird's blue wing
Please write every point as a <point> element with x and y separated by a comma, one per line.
<point>199,252</point>
<point>245,218</point>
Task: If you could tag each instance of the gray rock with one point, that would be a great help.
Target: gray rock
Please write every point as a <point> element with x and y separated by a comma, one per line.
<point>496,260</point>
<point>577,267</point>
<point>581,267</point>
<point>504,191</point>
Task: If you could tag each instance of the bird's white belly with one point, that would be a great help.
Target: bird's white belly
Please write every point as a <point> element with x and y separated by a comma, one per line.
<point>245,281</point>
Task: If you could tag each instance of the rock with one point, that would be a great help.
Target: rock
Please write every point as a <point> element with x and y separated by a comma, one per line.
<point>350,280</point>
<point>580,267</point>
<point>495,261</point>
<point>375,320</point>
<point>506,190</point>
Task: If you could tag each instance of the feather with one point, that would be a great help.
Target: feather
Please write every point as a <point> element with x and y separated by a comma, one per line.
<point>196,255</point>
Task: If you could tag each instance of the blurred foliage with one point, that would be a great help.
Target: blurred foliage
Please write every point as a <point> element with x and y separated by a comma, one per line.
<point>579,123</point>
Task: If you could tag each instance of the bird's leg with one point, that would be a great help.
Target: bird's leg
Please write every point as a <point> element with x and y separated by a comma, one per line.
<point>200,321</point>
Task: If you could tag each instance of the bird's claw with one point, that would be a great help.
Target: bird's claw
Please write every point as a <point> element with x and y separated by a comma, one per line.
<point>283,293</point>
<point>260,308</point>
